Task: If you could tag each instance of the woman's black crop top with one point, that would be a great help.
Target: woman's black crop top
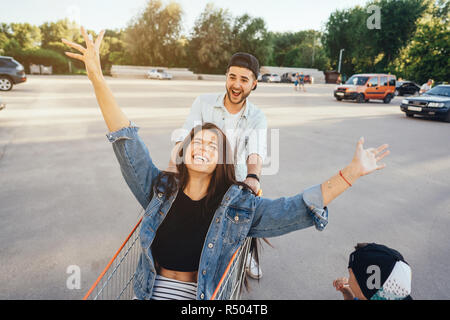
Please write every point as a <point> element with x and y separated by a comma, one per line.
<point>179,240</point>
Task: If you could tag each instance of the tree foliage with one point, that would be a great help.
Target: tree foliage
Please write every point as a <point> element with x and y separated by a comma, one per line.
<point>366,49</point>
<point>210,43</point>
<point>217,35</point>
<point>251,35</point>
<point>413,41</point>
<point>299,49</point>
<point>428,53</point>
<point>152,38</point>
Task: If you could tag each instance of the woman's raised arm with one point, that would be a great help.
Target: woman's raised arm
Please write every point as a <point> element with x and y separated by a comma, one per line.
<point>280,216</point>
<point>114,117</point>
<point>136,165</point>
<point>364,161</point>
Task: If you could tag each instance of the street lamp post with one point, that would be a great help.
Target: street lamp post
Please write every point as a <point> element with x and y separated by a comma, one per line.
<point>340,60</point>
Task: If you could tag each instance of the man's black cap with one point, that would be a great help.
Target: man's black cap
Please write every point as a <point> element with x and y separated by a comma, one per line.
<point>245,60</point>
<point>373,254</point>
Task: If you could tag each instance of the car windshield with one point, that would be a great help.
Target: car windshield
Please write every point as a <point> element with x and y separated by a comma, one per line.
<point>357,80</point>
<point>439,91</point>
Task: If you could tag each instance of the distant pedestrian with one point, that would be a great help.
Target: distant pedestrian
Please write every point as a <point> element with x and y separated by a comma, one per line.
<point>301,81</point>
<point>296,81</point>
<point>376,272</point>
<point>426,86</point>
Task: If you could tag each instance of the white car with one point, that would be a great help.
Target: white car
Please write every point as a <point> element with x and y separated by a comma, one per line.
<point>159,74</point>
<point>271,77</point>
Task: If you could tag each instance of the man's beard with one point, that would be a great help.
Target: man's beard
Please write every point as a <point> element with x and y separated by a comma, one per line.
<point>244,96</point>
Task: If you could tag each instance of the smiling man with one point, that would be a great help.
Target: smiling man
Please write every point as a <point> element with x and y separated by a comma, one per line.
<point>243,123</point>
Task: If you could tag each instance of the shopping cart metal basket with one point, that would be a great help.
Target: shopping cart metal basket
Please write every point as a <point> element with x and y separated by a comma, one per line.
<point>116,280</point>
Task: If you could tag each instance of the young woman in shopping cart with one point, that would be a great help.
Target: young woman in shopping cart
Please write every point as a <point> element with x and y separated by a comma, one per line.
<point>196,219</point>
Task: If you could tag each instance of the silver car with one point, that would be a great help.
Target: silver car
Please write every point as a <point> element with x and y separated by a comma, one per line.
<point>160,74</point>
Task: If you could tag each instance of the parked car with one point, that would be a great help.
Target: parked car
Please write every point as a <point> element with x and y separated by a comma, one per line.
<point>270,77</point>
<point>308,79</point>
<point>433,103</point>
<point>288,77</point>
<point>160,74</point>
<point>11,73</point>
<point>365,87</point>
<point>265,77</point>
<point>406,88</point>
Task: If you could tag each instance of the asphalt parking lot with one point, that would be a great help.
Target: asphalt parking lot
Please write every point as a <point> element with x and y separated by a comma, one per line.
<point>63,201</point>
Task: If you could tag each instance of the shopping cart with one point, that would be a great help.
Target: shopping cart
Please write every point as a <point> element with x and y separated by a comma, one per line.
<point>116,280</point>
<point>230,285</point>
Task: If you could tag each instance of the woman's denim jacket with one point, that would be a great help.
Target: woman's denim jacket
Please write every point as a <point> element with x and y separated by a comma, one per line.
<point>240,215</point>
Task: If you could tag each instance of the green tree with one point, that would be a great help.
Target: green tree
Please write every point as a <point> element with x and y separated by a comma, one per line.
<point>371,50</point>
<point>250,35</point>
<point>26,35</point>
<point>299,49</point>
<point>112,50</point>
<point>398,23</point>
<point>210,46</point>
<point>285,45</point>
<point>153,37</point>
<point>53,32</point>
<point>347,29</point>
<point>428,53</point>
<point>5,36</point>
<point>16,37</point>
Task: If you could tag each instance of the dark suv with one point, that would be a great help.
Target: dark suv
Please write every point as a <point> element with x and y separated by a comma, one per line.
<point>11,73</point>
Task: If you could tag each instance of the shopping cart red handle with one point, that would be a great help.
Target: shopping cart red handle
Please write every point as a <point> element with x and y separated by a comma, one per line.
<point>230,263</point>
<point>213,297</point>
<point>112,260</point>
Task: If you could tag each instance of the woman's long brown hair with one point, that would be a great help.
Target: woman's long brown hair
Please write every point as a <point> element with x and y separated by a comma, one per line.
<point>222,179</point>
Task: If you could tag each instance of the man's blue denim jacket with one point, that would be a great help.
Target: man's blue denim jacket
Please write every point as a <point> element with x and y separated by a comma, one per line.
<point>240,214</point>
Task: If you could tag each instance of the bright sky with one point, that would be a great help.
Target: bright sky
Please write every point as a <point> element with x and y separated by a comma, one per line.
<point>281,15</point>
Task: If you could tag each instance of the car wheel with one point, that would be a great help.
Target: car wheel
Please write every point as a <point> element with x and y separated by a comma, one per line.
<point>387,99</point>
<point>5,83</point>
<point>360,98</point>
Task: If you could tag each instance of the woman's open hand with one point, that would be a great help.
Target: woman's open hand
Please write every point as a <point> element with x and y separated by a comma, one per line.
<point>366,160</point>
<point>89,55</point>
